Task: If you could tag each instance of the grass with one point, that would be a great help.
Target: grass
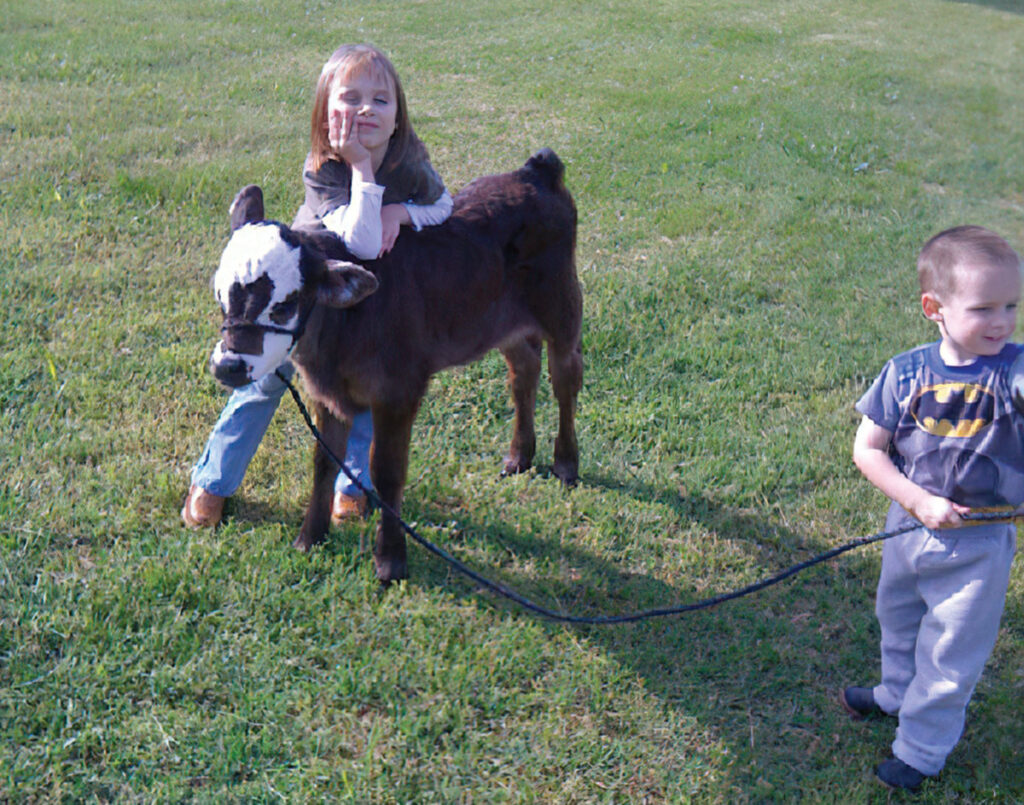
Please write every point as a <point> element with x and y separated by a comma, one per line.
<point>753,183</point>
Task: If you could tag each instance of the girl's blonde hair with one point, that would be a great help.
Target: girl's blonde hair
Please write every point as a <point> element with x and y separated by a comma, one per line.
<point>346,61</point>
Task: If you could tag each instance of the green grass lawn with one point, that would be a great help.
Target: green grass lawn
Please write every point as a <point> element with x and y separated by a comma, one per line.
<point>753,183</point>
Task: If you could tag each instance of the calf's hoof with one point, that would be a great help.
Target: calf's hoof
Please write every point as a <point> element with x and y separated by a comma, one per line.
<point>567,472</point>
<point>390,569</point>
<point>513,465</point>
<point>305,543</point>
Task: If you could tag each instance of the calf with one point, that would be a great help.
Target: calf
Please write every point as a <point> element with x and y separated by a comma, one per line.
<point>499,273</point>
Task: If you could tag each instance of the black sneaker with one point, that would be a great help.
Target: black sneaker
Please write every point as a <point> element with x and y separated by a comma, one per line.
<point>897,774</point>
<point>860,702</point>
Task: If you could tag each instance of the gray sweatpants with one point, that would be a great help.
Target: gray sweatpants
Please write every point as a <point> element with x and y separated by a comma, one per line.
<point>939,601</point>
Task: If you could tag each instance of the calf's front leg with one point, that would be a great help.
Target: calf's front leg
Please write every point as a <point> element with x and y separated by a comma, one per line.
<point>318,514</point>
<point>389,460</point>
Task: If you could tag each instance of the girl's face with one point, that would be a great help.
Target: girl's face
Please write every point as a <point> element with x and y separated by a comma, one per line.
<point>370,98</point>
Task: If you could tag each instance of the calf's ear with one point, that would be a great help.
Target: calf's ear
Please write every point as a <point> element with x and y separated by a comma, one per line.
<point>345,284</point>
<point>247,208</point>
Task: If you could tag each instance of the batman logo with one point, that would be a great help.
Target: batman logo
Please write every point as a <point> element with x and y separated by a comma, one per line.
<point>953,410</point>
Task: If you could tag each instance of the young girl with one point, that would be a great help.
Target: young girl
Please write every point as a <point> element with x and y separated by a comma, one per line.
<point>367,175</point>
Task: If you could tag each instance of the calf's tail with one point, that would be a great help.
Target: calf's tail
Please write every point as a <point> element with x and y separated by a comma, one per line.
<point>546,164</point>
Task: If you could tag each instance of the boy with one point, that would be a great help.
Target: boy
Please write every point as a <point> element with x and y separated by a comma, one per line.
<point>940,436</point>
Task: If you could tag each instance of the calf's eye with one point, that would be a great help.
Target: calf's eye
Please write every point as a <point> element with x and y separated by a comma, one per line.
<point>283,311</point>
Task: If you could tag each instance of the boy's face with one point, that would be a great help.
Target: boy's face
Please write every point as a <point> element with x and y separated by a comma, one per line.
<point>979,315</point>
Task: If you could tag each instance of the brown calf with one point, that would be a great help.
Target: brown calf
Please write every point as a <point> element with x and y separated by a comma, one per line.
<point>498,274</point>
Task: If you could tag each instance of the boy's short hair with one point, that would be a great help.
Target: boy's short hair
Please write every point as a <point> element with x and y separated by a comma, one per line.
<point>940,256</point>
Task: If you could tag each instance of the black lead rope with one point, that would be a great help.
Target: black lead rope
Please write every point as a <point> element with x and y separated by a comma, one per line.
<point>601,620</point>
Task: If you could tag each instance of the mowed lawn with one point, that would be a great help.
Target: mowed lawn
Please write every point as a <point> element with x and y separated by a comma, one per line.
<point>753,182</point>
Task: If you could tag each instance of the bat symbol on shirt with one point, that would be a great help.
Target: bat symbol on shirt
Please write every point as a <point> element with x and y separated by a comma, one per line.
<point>954,410</point>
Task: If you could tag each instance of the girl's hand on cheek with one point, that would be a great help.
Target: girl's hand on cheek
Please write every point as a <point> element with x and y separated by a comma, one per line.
<point>392,217</point>
<point>334,128</point>
<point>343,136</point>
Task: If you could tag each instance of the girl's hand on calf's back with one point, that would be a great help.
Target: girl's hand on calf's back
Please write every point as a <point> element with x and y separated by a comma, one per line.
<point>392,217</point>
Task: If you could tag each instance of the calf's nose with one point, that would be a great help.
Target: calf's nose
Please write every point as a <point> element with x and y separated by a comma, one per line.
<point>232,372</point>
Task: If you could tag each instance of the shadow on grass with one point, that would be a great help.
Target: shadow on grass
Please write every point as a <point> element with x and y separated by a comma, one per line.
<point>759,674</point>
<point>752,672</point>
<point>626,591</point>
<point>1014,6</point>
<point>246,509</point>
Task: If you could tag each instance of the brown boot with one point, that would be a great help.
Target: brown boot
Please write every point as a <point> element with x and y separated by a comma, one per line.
<point>202,509</point>
<point>349,507</point>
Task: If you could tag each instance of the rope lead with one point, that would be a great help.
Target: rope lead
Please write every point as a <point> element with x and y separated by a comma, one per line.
<point>602,620</point>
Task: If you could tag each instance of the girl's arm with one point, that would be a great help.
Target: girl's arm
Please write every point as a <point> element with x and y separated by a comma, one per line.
<point>421,215</point>
<point>358,223</point>
<point>368,229</point>
<point>871,455</point>
<point>395,216</point>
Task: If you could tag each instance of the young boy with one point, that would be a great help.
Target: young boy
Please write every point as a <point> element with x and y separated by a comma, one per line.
<point>941,437</point>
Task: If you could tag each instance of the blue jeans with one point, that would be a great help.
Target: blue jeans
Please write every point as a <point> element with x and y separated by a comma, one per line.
<point>241,426</point>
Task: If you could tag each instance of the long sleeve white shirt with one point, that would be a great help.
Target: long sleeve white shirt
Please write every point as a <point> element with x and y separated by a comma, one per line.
<point>358,223</point>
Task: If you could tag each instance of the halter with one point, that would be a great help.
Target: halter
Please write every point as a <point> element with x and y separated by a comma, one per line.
<point>232,323</point>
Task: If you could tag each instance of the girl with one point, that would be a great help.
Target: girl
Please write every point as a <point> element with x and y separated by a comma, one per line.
<point>367,175</point>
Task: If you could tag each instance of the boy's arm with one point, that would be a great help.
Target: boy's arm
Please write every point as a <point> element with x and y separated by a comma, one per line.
<point>871,455</point>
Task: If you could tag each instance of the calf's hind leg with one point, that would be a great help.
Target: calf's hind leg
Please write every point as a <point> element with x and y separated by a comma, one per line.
<point>565,364</point>
<point>523,359</point>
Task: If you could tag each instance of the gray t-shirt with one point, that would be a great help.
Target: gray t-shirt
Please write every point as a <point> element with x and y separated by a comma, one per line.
<point>955,429</point>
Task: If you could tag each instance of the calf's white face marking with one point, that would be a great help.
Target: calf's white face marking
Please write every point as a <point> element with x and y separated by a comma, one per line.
<point>258,282</point>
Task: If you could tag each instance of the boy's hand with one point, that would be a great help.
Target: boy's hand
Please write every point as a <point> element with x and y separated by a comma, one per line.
<point>871,454</point>
<point>938,512</point>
